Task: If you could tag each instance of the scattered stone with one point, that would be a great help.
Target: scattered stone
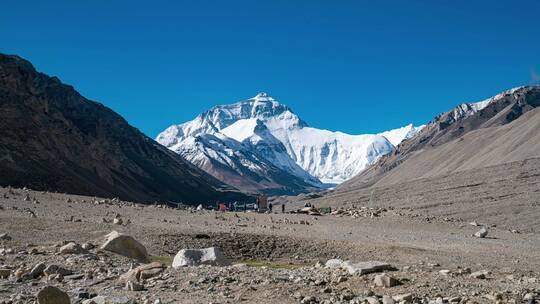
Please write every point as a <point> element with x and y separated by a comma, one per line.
<point>55,269</point>
<point>117,221</point>
<point>195,257</point>
<point>373,300</point>
<point>479,274</point>
<point>88,246</point>
<point>444,271</point>
<point>74,277</point>
<point>133,286</point>
<point>52,295</point>
<point>333,263</point>
<point>383,280</point>
<point>365,267</point>
<point>143,272</point>
<point>95,300</point>
<point>5,273</point>
<point>5,237</point>
<point>387,300</point>
<point>72,248</point>
<point>309,300</point>
<point>125,245</point>
<point>37,271</point>
<point>482,233</point>
<point>406,298</point>
<point>494,297</point>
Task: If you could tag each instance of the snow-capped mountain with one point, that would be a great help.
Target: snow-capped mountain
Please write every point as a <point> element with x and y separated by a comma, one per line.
<point>259,134</point>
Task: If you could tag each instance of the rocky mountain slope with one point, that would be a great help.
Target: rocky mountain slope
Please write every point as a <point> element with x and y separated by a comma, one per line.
<point>52,138</point>
<point>260,144</point>
<point>498,130</point>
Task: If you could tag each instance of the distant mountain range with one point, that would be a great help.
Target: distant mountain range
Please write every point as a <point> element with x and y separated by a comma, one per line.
<point>261,145</point>
<point>52,138</point>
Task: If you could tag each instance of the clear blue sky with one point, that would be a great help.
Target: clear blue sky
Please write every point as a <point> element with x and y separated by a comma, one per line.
<point>354,66</point>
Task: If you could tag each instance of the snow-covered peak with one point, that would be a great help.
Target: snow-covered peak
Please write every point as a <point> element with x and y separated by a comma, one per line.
<point>263,97</point>
<point>396,136</point>
<point>477,106</point>
<point>272,131</point>
<point>469,108</point>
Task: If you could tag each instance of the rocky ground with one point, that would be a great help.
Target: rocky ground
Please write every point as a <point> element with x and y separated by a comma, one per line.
<point>51,239</point>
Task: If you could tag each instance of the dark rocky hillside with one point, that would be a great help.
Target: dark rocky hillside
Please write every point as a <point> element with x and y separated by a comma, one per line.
<point>52,138</point>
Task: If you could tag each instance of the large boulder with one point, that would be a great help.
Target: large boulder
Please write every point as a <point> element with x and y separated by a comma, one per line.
<point>52,295</point>
<point>195,257</point>
<point>125,245</point>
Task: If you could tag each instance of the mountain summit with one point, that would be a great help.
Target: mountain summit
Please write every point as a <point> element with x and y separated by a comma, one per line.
<point>261,145</point>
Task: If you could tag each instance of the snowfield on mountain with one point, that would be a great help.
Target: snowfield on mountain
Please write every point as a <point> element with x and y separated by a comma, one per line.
<point>276,139</point>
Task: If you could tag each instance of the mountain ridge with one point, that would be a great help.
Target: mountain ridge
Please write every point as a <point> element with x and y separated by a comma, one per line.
<point>449,131</point>
<point>52,138</point>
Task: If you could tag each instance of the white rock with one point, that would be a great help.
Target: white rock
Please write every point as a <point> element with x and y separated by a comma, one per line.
<point>333,263</point>
<point>444,271</point>
<point>482,233</point>
<point>195,257</point>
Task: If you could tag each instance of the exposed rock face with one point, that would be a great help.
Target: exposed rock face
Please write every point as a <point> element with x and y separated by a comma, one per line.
<point>52,138</point>
<point>195,257</point>
<point>125,245</point>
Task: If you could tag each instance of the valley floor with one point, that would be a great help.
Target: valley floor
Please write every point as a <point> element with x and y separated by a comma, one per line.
<point>432,253</point>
